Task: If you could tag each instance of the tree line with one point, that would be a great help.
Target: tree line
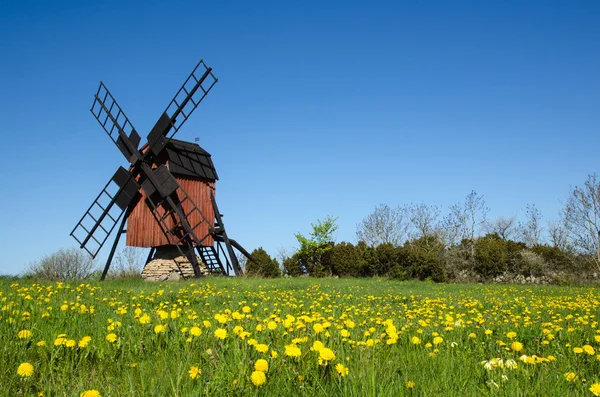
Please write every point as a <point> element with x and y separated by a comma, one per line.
<point>419,241</point>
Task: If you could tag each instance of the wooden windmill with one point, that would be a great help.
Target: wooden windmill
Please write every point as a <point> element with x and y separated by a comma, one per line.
<point>167,194</point>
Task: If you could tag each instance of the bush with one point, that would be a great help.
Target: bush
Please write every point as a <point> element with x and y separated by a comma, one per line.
<point>63,265</point>
<point>422,259</point>
<point>128,263</point>
<point>263,265</point>
<point>491,256</point>
<point>345,260</point>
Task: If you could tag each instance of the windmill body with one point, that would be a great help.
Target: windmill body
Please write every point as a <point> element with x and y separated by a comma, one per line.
<point>166,196</point>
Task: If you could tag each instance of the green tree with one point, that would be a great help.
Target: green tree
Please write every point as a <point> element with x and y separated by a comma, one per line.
<point>312,254</point>
<point>491,256</point>
<point>263,265</point>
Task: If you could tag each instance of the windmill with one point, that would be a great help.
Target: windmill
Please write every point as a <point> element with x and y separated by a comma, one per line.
<point>149,185</point>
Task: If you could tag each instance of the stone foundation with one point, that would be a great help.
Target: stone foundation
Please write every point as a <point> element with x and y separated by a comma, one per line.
<point>164,265</point>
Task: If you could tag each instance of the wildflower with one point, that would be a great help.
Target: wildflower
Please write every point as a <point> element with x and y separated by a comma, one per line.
<point>261,348</point>
<point>344,333</point>
<point>595,389</point>
<point>317,346</point>
<point>261,365</point>
<point>340,369</point>
<point>292,351</point>
<point>410,384</point>
<point>60,340</point>
<point>437,340</point>
<point>472,335</point>
<point>41,343</point>
<point>258,378</point>
<point>326,354</point>
<point>318,328</point>
<point>511,335</point>
<point>570,376</point>
<point>577,350</point>
<point>159,329</point>
<point>70,343</point>
<point>194,372</point>
<point>24,334</point>
<point>145,319</point>
<point>195,331</point>
<point>516,346</point>
<point>274,354</point>
<point>221,333</point>
<point>84,341</point>
<point>112,338</point>
<point>415,340</point>
<point>488,332</point>
<point>25,370</point>
<point>90,393</point>
<point>246,309</point>
<point>272,325</point>
<point>589,350</point>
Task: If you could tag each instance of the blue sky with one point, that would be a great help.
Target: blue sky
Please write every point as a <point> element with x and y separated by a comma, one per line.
<point>322,108</point>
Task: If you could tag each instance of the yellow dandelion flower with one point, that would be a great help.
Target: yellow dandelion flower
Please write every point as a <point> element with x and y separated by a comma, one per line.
<point>195,331</point>
<point>258,378</point>
<point>318,328</point>
<point>24,334</point>
<point>272,325</point>
<point>437,340</point>
<point>84,341</point>
<point>340,369</point>
<point>261,348</point>
<point>144,319</point>
<point>595,389</point>
<point>112,338</point>
<point>194,372</point>
<point>317,346</point>
<point>70,343</point>
<point>415,340</point>
<point>41,343</point>
<point>221,333</point>
<point>25,370</point>
<point>410,384</point>
<point>589,350</point>
<point>488,332</point>
<point>577,350</point>
<point>90,393</point>
<point>570,376</point>
<point>292,351</point>
<point>326,354</point>
<point>516,346</point>
<point>261,365</point>
<point>158,329</point>
<point>274,354</point>
<point>511,335</point>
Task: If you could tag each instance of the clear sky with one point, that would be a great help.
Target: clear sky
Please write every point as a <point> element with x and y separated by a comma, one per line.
<point>322,108</point>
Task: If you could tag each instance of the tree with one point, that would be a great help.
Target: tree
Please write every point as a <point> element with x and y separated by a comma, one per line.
<point>559,234</point>
<point>423,219</point>
<point>582,218</point>
<point>384,225</point>
<point>128,263</point>
<point>263,265</point>
<point>63,265</point>
<point>506,228</point>
<point>313,248</point>
<point>531,231</point>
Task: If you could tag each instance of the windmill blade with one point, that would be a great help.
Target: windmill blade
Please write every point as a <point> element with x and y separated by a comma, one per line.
<point>114,121</point>
<point>94,227</point>
<point>187,99</point>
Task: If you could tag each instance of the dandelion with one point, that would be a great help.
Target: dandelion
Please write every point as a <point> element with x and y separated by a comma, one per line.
<point>340,369</point>
<point>511,335</point>
<point>70,343</point>
<point>24,334</point>
<point>410,384</point>
<point>84,341</point>
<point>274,354</point>
<point>221,333</point>
<point>516,346</point>
<point>112,338</point>
<point>437,340</point>
<point>41,343</point>
<point>326,354</point>
<point>589,350</point>
<point>570,376</point>
<point>90,393</point>
<point>415,340</point>
<point>317,346</point>
<point>25,370</point>
<point>577,350</point>
<point>258,378</point>
<point>159,329</point>
<point>595,389</point>
<point>261,365</point>
<point>195,331</point>
<point>318,328</point>
<point>194,372</point>
<point>292,351</point>
<point>272,325</point>
<point>488,332</point>
<point>145,319</point>
<point>261,348</point>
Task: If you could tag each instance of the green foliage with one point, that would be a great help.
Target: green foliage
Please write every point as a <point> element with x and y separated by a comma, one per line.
<point>491,256</point>
<point>263,265</point>
<point>423,259</point>
<point>312,254</point>
<point>63,265</point>
<point>346,260</point>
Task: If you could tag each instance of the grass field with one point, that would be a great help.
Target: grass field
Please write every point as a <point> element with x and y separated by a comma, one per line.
<point>312,337</point>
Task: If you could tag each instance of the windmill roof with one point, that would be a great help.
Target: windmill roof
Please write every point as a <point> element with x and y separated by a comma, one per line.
<point>190,160</point>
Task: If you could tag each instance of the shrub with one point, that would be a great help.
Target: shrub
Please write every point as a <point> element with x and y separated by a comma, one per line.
<point>263,265</point>
<point>63,265</point>
<point>345,260</point>
<point>491,256</point>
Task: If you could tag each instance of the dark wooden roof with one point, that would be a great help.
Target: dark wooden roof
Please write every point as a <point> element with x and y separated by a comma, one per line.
<point>189,160</point>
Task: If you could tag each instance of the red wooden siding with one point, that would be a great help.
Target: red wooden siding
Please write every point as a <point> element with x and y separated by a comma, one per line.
<point>144,231</point>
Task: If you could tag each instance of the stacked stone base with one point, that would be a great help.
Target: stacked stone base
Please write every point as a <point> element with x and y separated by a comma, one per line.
<point>167,265</point>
